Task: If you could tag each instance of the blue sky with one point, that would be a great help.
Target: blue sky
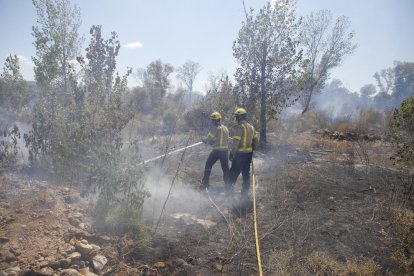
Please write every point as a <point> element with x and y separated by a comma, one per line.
<point>204,30</point>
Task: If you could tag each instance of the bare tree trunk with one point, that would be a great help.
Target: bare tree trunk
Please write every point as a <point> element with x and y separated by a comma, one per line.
<point>263,122</point>
<point>307,103</point>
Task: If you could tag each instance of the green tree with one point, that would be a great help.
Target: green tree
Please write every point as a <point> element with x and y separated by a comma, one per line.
<point>266,49</point>
<point>57,43</point>
<point>14,93</point>
<point>385,80</point>
<point>404,81</point>
<point>155,78</point>
<point>187,74</point>
<point>325,46</point>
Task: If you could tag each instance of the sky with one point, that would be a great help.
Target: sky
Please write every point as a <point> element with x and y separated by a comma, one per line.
<point>204,30</point>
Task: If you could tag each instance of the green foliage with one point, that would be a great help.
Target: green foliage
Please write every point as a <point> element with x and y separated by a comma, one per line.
<point>57,43</point>
<point>407,110</point>
<point>14,92</point>
<point>8,143</point>
<point>121,191</point>
<point>402,130</point>
<point>221,97</point>
<point>325,46</point>
<point>266,49</point>
<point>404,81</point>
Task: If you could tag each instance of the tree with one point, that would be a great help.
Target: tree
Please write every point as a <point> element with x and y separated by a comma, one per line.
<point>14,93</point>
<point>266,49</point>
<point>155,78</point>
<point>187,74</point>
<point>385,80</point>
<point>367,90</point>
<point>57,42</point>
<point>404,81</point>
<point>325,48</point>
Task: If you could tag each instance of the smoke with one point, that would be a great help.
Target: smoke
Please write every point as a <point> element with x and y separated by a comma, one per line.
<point>175,194</point>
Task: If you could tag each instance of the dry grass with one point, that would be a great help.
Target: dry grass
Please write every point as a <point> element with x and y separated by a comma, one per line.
<point>288,262</point>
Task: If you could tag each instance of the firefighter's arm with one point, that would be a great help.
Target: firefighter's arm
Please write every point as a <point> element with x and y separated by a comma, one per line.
<point>255,140</point>
<point>209,139</point>
<point>235,145</point>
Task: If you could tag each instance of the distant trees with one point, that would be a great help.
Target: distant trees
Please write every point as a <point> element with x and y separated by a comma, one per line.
<point>155,79</point>
<point>267,52</point>
<point>325,47</point>
<point>187,74</point>
<point>385,80</point>
<point>395,84</point>
<point>404,81</point>
<point>13,91</point>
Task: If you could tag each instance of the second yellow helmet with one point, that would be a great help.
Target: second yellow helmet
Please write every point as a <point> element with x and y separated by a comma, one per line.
<point>215,116</point>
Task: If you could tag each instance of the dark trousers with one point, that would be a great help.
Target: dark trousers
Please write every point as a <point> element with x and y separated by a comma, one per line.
<point>241,163</point>
<point>215,155</point>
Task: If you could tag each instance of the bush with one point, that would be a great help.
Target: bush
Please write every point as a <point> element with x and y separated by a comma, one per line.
<point>8,144</point>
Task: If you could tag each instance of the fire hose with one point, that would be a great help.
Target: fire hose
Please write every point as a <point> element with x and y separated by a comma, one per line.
<point>171,152</point>
<point>256,235</point>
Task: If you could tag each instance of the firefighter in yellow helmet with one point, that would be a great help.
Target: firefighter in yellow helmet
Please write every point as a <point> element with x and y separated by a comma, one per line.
<point>245,140</point>
<point>217,137</point>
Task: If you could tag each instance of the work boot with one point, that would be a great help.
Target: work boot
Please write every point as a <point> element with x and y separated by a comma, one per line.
<point>203,186</point>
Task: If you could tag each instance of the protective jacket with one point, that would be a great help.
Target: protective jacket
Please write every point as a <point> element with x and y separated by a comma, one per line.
<point>245,138</point>
<point>219,138</point>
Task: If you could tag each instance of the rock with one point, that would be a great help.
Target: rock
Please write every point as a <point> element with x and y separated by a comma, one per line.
<point>85,272</point>
<point>54,264</point>
<point>69,272</point>
<point>4,239</point>
<point>65,263</point>
<point>159,265</point>
<point>218,267</point>
<point>47,271</point>
<point>99,261</point>
<point>83,248</point>
<point>15,251</point>
<point>95,247</point>
<point>69,249</point>
<point>12,271</point>
<point>7,256</point>
<point>74,221</point>
<point>74,256</point>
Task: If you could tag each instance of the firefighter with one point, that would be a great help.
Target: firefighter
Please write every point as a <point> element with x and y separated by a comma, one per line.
<point>245,140</point>
<point>217,137</point>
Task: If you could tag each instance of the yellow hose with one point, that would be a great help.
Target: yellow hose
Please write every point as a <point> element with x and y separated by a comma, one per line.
<point>256,235</point>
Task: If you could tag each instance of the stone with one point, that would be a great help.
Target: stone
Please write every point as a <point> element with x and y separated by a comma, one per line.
<point>69,272</point>
<point>7,256</point>
<point>159,265</point>
<point>99,261</point>
<point>74,256</point>
<point>47,271</point>
<point>65,263</point>
<point>4,239</point>
<point>74,221</point>
<point>12,271</point>
<point>84,249</point>
<point>85,272</point>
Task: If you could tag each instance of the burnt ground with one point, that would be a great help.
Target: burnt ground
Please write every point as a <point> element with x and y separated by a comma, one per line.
<point>324,207</point>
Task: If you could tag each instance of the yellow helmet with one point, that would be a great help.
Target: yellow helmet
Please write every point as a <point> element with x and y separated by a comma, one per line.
<point>240,111</point>
<point>215,116</point>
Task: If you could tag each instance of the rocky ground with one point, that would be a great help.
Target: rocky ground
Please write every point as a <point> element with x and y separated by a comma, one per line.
<point>324,206</point>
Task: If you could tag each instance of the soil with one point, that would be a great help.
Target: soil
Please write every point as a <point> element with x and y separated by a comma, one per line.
<point>313,194</point>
